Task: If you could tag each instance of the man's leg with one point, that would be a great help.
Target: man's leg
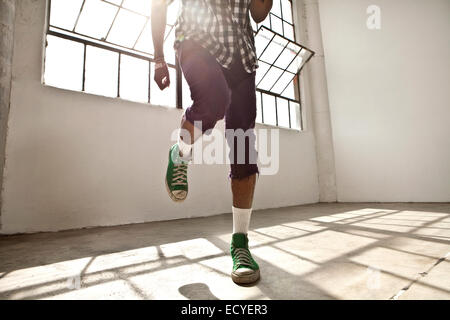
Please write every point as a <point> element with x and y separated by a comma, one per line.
<point>240,119</point>
<point>211,97</point>
<point>243,190</point>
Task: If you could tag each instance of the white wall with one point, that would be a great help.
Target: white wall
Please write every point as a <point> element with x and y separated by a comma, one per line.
<point>389,98</point>
<point>77,160</point>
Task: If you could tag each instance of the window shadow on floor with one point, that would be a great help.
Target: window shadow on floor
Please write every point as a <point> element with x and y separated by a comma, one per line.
<point>160,239</point>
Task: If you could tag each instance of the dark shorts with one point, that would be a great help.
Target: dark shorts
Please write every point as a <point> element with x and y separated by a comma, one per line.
<point>217,93</point>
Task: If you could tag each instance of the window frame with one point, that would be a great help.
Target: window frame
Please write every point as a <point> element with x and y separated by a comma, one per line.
<point>86,40</point>
<point>297,77</point>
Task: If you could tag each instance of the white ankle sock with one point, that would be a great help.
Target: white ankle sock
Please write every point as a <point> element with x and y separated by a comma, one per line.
<point>241,220</point>
<point>185,149</point>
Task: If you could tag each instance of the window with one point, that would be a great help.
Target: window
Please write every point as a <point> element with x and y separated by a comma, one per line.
<point>280,61</point>
<point>105,47</point>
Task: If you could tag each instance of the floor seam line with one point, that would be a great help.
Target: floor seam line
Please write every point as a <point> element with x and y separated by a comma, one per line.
<point>419,276</point>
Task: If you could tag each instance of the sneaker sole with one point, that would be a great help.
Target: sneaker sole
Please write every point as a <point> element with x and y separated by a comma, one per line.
<point>175,199</point>
<point>245,279</point>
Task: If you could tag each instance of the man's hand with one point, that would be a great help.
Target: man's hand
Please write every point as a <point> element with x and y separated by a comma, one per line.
<point>158,18</point>
<point>162,77</point>
<point>260,9</point>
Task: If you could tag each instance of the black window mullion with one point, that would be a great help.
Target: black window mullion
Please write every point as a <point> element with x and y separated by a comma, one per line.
<point>262,108</point>
<point>292,19</point>
<point>300,115</point>
<point>84,69</point>
<point>282,18</point>
<point>78,17</point>
<point>140,33</point>
<point>289,111</point>
<point>149,80</point>
<point>118,75</point>
<point>276,111</point>
<point>49,9</point>
<point>114,20</point>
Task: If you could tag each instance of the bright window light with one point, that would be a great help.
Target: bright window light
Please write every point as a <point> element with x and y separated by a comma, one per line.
<point>295,116</point>
<point>64,13</point>
<point>134,78</point>
<point>105,47</point>
<point>95,19</point>
<point>58,72</point>
<point>269,111</point>
<point>101,71</point>
<point>283,112</point>
<point>126,28</point>
<point>142,6</point>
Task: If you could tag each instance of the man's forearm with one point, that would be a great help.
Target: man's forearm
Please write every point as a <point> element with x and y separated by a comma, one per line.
<point>260,9</point>
<point>159,16</point>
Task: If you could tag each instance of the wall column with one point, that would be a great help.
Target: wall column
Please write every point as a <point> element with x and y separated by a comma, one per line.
<point>320,107</point>
<point>7,18</point>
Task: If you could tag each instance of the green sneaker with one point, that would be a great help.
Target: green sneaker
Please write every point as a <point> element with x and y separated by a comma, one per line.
<point>245,269</point>
<point>176,175</point>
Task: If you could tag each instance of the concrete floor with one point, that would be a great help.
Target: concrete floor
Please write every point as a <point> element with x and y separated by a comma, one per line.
<point>320,251</point>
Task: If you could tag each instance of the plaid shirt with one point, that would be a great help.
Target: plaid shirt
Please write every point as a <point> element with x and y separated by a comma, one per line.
<point>221,27</point>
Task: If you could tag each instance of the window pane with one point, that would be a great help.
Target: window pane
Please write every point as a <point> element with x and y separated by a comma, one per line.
<point>145,42</point>
<point>287,56</point>
<point>298,62</point>
<point>166,97</point>
<point>291,91</point>
<point>295,116</point>
<point>289,31</point>
<point>96,18</point>
<point>262,40</point>
<point>283,112</point>
<point>141,6</point>
<point>270,78</point>
<point>287,10</point>
<point>134,79</point>
<point>276,8</point>
<point>273,50</point>
<point>258,107</point>
<point>283,82</point>
<point>126,28</point>
<point>277,24</point>
<point>269,109</point>
<point>64,63</point>
<point>63,13</point>
<point>101,71</point>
